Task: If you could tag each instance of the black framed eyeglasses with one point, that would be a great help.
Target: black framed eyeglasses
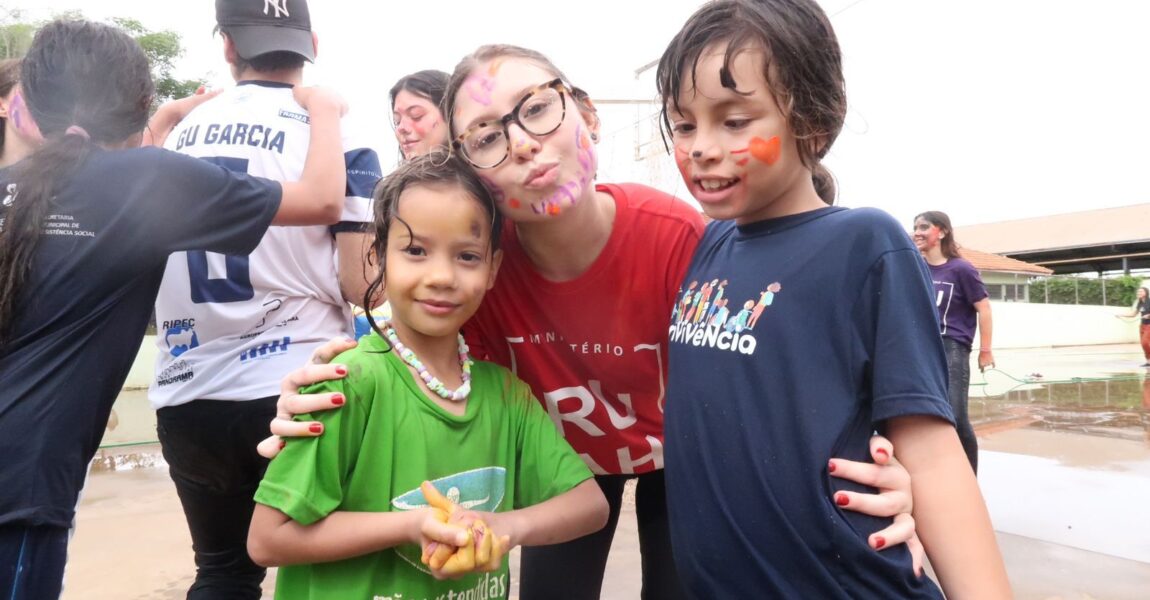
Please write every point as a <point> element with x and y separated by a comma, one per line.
<point>541,111</point>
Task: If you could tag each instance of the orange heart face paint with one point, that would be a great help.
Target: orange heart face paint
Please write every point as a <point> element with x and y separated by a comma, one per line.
<point>766,151</point>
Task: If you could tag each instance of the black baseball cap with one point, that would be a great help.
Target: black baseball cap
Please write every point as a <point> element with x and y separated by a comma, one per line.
<point>261,26</point>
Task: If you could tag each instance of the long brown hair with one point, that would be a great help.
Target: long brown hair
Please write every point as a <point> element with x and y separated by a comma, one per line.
<point>75,74</point>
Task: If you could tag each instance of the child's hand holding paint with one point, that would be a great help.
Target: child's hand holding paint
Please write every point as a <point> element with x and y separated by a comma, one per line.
<point>479,549</point>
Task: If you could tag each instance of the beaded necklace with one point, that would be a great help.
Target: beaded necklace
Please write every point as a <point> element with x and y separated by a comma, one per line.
<point>433,383</point>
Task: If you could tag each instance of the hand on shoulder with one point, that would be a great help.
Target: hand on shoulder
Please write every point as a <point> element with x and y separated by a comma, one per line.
<point>318,99</point>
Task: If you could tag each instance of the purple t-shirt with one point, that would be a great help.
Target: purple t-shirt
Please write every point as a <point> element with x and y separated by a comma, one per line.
<point>957,287</point>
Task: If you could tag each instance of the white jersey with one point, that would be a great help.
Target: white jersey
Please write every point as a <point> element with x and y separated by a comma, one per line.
<point>230,327</point>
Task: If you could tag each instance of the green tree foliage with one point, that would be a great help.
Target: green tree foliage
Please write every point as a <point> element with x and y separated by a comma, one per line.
<point>15,34</point>
<point>1120,291</point>
<point>162,48</point>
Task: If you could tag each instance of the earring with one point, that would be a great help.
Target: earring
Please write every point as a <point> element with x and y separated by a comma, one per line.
<point>594,137</point>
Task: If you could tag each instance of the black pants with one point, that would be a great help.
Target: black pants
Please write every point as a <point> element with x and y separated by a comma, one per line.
<point>958,368</point>
<point>210,447</point>
<point>32,561</point>
<point>574,570</point>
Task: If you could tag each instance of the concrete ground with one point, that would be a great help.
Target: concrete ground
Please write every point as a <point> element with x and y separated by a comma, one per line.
<point>1065,469</point>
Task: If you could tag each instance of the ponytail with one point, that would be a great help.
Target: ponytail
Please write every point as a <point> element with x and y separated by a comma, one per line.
<point>81,80</point>
<point>35,182</point>
<point>824,183</point>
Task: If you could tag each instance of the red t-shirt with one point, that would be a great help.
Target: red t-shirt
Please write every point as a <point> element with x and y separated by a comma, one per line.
<point>594,349</point>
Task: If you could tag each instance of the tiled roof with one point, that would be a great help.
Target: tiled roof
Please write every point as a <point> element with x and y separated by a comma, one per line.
<point>985,261</point>
<point>1099,227</point>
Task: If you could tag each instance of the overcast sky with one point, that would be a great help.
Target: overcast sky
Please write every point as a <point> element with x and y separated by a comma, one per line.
<point>986,109</point>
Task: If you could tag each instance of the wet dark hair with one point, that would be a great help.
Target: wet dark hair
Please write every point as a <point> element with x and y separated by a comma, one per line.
<point>9,77</point>
<point>802,68</point>
<point>429,84</point>
<point>491,52</point>
<point>947,244</point>
<point>76,73</point>
<point>435,169</point>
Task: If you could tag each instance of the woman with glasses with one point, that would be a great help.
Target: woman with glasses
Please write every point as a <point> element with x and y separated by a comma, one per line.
<point>580,309</point>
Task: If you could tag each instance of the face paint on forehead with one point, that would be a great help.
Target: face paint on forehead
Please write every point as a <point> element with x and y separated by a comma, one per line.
<point>480,85</point>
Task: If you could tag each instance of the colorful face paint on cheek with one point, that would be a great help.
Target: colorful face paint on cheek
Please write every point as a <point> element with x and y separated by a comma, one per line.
<point>586,154</point>
<point>514,203</point>
<point>21,119</point>
<point>766,151</point>
<point>584,140</point>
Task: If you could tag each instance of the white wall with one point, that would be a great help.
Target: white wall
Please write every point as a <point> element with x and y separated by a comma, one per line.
<point>142,369</point>
<point>1021,325</point>
<point>1016,325</point>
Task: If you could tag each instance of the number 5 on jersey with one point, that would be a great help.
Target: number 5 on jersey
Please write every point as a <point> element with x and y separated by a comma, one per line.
<point>236,285</point>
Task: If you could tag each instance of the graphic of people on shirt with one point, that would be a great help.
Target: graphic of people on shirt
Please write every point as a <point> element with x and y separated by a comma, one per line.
<point>681,307</point>
<point>715,303</point>
<point>721,312</point>
<point>739,322</point>
<point>765,300</point>
<point>705,301</point>
<point>704,292</point>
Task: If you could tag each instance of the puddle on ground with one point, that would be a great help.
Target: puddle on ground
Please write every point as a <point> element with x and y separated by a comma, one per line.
<point>1117,407</point>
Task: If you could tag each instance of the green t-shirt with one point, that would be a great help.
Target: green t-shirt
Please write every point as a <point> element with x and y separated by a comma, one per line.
<point>504,453</point>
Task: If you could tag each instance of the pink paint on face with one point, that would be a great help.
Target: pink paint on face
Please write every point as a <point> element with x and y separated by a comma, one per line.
<point>926,235</point>
<point>480,86</point>
<point>22,119</point>
<point>569,193</point>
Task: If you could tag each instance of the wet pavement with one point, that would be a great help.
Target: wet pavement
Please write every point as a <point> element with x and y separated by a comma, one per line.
<point>1064,466</point>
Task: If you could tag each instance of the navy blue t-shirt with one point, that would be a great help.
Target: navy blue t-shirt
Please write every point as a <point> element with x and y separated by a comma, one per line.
<point>828,330</point>
<point>82,312</point>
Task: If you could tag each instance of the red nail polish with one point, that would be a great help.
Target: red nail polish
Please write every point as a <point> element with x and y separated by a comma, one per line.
<point>340,371</point>
<point>842,500</point>
<point>879,542</point>
<point>282,444</point>
<point>315,428</point>
<point>831,466</point>
<point>337,400</point>
<point>883,453</point>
